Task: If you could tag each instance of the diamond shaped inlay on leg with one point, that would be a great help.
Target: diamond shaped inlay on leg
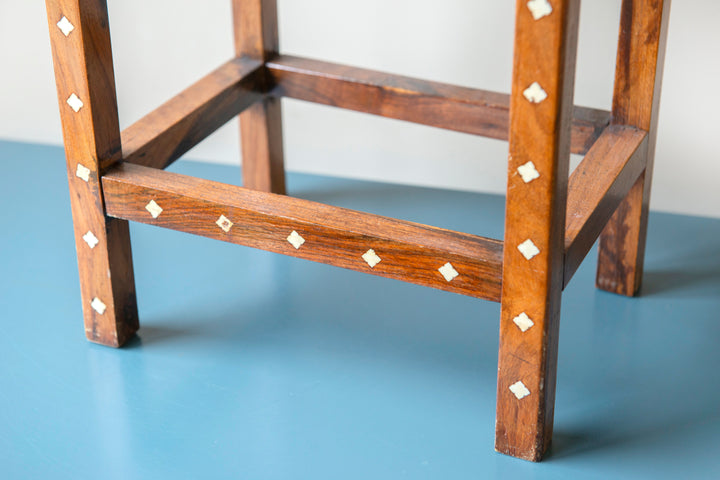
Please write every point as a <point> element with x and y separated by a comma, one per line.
<point>519,390</point>
<point>82,172</point>
<point>535,93</point>
<point>523,322</point>
<point>295,239</point>
<point>154,209</point>
<point>75,102</point>
<point>371,258</point>
<point>528,249</point>
<point>528,172</point>
<point>539,8</point>
<point>224,223</point>
<point>448,271</point>
<point>65,26</point>
<point>90,239</point>
<point>98,305</point>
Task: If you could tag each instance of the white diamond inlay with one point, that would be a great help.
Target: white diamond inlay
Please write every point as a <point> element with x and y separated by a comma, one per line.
<point>295,239</point>
<point>75,102</point>
<point>90,239</point>
<point>82,172</point>
<point>528,172</point>
<point>528,249</point>
<point>224,223</point>
<point>448,271</point>
<point>539,8</point>
<point>65,26</point>
<point>98,305</point>
<point>519,390</point>
<point>523,322</point>
<point>371,258</point>
<point>535,93</point>
<point>154,209</point>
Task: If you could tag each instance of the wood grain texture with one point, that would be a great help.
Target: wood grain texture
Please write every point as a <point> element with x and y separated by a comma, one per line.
<point>597,186</point>
<point>256,37</point>
<point>461,109</point>
<point>168,132</point>
<point>410,252</point>
<point>545,52</point>
<point>636,98</point>
<point>83,66</point>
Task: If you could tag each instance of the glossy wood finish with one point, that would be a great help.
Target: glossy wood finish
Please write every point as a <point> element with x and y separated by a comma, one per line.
<point>165,134</point>
<point>638,82</point>
<point>597,186</point>
<point>84,68</point>
<point>557,217</point>
<point>256,37</point>
<point>461,109</point>
<point>545,51</point>
<point>336,236</point>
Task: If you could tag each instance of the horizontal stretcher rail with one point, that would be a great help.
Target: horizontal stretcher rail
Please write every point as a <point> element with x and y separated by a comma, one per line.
<point>597,187</point>
<point>434,257</point>
<point>166,133</point>
<point>435,104</point>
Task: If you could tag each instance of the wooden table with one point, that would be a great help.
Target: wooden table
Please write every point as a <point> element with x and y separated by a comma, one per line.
<point>551,220</point>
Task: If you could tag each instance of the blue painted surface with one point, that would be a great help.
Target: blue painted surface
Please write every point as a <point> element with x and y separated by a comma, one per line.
<point>253,365</point>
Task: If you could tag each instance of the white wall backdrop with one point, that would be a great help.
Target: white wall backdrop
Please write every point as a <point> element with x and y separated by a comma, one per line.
<point>161,46</point>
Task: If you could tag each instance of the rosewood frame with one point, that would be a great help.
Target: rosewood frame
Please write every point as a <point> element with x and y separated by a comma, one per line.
<point>552,219</point>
